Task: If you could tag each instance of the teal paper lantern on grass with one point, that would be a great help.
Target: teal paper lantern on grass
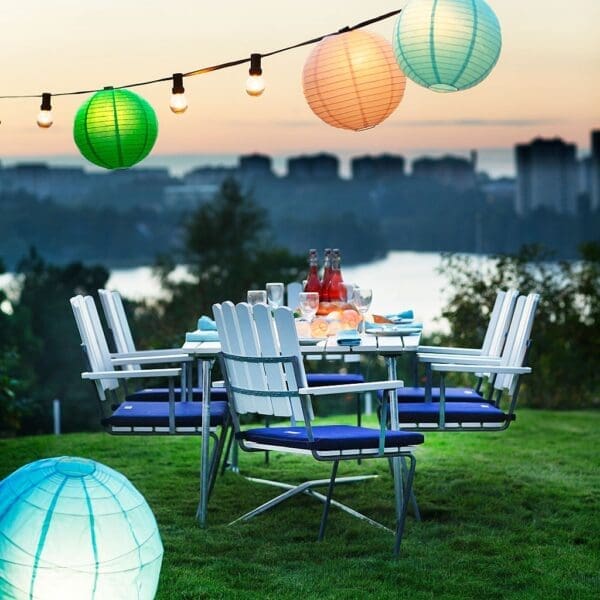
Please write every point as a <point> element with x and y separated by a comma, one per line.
<point>447,45</point>
<point>115,129</point>
<point>74,528</point>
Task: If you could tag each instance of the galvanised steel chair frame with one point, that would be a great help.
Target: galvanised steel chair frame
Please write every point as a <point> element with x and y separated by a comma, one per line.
<point>264,374</point>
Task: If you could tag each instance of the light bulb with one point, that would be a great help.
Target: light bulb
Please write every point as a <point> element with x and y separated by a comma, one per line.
<point>255,84</point>
<point>44,118</point>
<point>178,103</point>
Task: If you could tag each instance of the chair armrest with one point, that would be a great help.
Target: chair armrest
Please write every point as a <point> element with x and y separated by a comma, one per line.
<point>140,353</point>
<point>150,360</point>
<point>456,359</point>
<point>448,350</point>
<point>132,374</point>
<point>477,368</point>
<point>351,388</point>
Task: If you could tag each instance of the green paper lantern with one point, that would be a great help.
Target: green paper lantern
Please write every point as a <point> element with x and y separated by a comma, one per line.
<point>75,528</point>
<point>447,45</point>
<point>115,129</point>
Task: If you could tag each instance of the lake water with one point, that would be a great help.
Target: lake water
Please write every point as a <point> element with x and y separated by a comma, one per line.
<point>400,281</point>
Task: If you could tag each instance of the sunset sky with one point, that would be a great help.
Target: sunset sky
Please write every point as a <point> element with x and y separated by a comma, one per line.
<point>546,81</point>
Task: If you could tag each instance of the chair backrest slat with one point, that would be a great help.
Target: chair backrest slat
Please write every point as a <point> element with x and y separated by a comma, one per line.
<point>500,327</point>
<point>112,304</point>
<point>517,339</point>
<point>92,337</point>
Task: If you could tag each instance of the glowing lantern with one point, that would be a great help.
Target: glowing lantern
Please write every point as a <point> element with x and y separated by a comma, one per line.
<point>352,81</point>
<point>447,45</point>
<point>115,129</point>
<point>74,528</point>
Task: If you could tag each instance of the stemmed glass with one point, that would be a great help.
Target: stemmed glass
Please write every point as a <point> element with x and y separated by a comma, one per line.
<point>275,295</point>
<point>257,297</point>
<point>362,298</point>
<point>309,304</point>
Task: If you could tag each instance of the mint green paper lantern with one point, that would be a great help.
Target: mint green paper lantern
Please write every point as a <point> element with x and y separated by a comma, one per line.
<point>115,129</point>
<point>74,528</point>
<point>447,45</point>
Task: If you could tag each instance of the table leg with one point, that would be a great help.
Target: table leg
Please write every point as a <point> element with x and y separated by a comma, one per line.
<point>204,372</point>
<point>396,461</point>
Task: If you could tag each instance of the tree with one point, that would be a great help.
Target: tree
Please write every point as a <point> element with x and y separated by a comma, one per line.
<point>566,333</point>
<point>228,249</point>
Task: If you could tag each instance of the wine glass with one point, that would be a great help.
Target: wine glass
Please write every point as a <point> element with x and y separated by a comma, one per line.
<point>309,303</point>
<point>362,298</point>
<point>275,295</point>
<point>257,297</point>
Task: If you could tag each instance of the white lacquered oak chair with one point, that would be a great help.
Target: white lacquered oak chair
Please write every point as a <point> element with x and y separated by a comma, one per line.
<point>264,375</point>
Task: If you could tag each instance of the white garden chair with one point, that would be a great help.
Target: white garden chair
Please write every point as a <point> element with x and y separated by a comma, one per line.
<point>446,414</point>
<point>120,415</point>
<point>264,375</point>
<point>116,318</point>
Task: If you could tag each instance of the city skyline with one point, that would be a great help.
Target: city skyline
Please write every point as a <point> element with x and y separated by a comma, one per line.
<point>544,85</point>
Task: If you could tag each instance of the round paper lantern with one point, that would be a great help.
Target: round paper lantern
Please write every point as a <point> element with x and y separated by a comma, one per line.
<point>74,528</point>
<point>352,81</point>
<point>115,129</point>
<point>447,45</point>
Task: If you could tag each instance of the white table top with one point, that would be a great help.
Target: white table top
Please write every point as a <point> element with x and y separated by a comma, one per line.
<point>369,344</point>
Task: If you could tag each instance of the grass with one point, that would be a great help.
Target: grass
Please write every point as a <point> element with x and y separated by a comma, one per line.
<point>505,515</point>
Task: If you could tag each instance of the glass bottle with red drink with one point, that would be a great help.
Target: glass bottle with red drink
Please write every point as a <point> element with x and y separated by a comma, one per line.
<point>313,284</point>
<point>336,290</point>
<point>324,295</point>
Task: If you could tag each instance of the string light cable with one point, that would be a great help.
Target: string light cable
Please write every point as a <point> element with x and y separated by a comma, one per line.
<point>255,84</point>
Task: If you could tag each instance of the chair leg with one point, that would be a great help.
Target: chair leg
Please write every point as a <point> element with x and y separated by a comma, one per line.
<point>231,436</point>
<point>412,496</point>
<point>328,501</point>
<point>403,508</point>
<point>216,458</point>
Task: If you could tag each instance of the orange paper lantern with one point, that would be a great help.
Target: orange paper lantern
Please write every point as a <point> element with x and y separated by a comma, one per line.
<point>352,80</point>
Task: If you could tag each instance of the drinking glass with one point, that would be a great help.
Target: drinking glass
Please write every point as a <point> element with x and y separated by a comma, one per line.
<point>309,303</point>
<point>348,292</point>
<point>257,297</point>
<point>362,299</point>
<point>275,295</point>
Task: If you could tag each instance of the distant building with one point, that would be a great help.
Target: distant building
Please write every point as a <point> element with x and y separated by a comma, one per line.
<point>595,171</point>
<point>65,185</point>
<point>188,196</point>
<point>377,167</point>
<point>255,166</point>
<point>209,175</point>
<point>451,171</point>
<point>316,167</point>
<point>546,176</point>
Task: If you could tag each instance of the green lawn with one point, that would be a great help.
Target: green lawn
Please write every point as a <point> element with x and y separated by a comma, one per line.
<point>505,515</point>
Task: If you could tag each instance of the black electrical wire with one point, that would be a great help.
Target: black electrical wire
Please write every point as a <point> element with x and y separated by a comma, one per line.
<point>225,65</point>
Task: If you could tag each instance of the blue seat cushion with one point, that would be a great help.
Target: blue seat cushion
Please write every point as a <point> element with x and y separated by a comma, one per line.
<point>317,379</point>
<point>156,414</point>
<point>329,437</point>
<point>162,395</point>
<point>456,412</point>
<point>453,394</point>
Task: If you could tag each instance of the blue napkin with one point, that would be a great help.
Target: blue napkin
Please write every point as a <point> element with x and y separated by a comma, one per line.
<point>391,328</point>
<point>348,337</point>
<point>202,336</point>
<point>401,317</point>
<point>206,324</point>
